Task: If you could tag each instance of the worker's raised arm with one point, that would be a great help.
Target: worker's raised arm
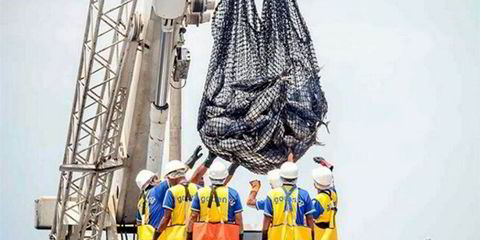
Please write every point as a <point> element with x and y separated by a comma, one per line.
<point>252,196</point>
<point>290,157</point>
<point>323,162</point>
<point>231,170</point>
<point>197,154</point>
<point>200,171</point>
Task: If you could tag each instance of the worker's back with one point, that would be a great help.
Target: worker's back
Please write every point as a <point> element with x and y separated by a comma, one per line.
<point>229,200</point>
<point>277,205</point>
<point>325,205</point>
<point>328,201</point>
<point>179,202</point>
<point>153,208</point>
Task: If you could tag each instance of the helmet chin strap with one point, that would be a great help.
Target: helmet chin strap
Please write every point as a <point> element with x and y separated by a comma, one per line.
<point>321,187</point>
<point>289,181</point>
<point>217,182</point>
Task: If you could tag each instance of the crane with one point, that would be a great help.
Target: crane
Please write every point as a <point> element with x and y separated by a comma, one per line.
<point>133,52</point>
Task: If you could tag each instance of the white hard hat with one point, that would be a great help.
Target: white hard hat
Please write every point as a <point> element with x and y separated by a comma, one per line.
<point>175,165</point>
<point>274,178</point>
<point>289,170</point>
<point>143,177</point>
<point>217,172</point>
<point>323,177</point>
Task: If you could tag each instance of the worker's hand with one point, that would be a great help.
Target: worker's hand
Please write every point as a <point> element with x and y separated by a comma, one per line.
<point>208,162</point>
<point>290,156</point>
<point>323,162</point>
<point>255,185</point>
<point>197,154</point>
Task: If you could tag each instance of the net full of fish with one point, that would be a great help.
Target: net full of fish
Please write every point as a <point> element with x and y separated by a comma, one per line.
<point>262,96</point>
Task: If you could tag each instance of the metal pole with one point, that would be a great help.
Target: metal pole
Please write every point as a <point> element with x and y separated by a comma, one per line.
<point>175,144</point>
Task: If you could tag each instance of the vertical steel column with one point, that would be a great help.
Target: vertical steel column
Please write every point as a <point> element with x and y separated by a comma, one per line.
<point>96,121</point>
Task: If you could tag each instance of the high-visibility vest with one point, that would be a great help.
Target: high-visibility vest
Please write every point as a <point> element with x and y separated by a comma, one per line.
<point>144,230</point>
<point>182,195</point>
<point>213,223</point>
<point>214,214</point>
<point>325,226</point>
<point>284,226</point>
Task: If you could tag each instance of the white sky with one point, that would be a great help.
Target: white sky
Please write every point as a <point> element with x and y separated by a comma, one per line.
<point>403,83</point>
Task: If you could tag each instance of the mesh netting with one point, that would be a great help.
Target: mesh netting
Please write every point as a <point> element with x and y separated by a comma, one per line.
<point>262,94</point>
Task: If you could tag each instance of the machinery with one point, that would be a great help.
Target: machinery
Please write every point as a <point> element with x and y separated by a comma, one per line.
<point>132,66</point>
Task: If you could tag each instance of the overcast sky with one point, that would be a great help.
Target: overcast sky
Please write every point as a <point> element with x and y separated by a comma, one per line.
<point>403,83</point>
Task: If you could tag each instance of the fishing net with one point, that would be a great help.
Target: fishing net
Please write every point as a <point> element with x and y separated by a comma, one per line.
<point>262,95</point>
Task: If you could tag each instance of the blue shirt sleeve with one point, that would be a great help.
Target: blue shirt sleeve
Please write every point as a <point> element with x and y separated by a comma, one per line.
<point>260,205</point>
<point>196,203</point>
<point>308,209</point>
<point>237,206</point>
<point>268,208</point>
<point>159,192</point>
<point>318,209</point>
<point>169,202</point>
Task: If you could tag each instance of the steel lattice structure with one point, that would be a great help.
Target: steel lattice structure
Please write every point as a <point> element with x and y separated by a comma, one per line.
<point>92,147</point>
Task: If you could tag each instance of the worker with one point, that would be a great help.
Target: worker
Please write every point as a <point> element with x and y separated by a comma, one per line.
<point>229,208</point>
<point>156,195</point>
<point>288,209</point>
<point>324,204</point>
<point>145,180</point>
<point>177,202</point>
<point>274,181</point>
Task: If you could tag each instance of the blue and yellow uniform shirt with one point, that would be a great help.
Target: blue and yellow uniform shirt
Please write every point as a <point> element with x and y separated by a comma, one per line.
<point>155,197</point>
<point>277,205</point>
<point>324,204</point>
<point>230,204</point>
<point>177,201</point>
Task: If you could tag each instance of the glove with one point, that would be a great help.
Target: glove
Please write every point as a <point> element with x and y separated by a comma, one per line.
<point>255,185</point>
<point>195,156</point>
<point>208,162</point>
<point>189,235</point>
<point>232,168</point>
<point>323,162</point>
<point>241,236</point>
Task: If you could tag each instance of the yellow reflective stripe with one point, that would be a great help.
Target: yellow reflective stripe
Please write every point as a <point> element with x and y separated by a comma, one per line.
<point>140,207</point>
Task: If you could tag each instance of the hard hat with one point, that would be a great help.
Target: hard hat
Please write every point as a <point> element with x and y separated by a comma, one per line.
<point>143,177</point>
<point>217,172</point>
<point>274,178</point>
<point>323,177</point>
<point>289,170</point>
<point>175,165</point>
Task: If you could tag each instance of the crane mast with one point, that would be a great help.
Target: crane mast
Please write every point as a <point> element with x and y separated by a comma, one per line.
<point>125,50</point>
